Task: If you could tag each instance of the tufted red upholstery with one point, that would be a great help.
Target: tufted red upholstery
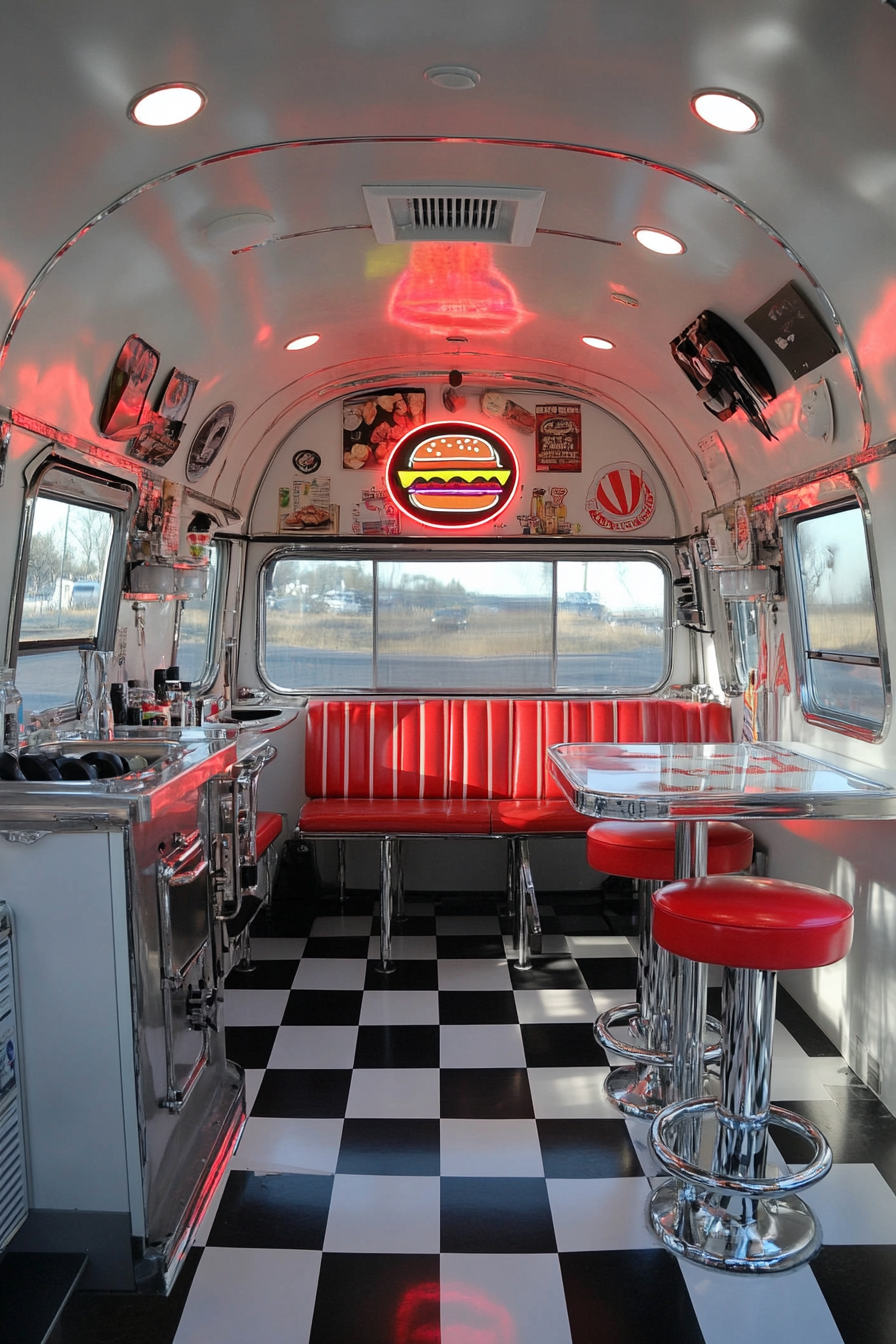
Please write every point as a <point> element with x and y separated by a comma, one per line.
<point>268,826</point>
<point>647,848</point>
<point>432,753</point>
<point>757,923</point>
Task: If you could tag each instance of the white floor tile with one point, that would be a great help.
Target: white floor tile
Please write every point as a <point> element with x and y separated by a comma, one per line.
<point>490,1148</point>
<point>503,1297</point>
<point>854,1205</point>
<point>605,999</point>
<point>407,947</point>
<point>276,1144</point>
<point>487,1046</point>
<point>314,1047</point>
<point>458,925</point>
<point>473,973</point>
<point>777,1308</point>
<point>277,949</point>
<point>240,1295</point>
<point>601,1215</point>
<point>570,1094</point>
<point>254,1007</point>
<point>384,1214</point>
<point>785,1046</point>
<point>254,1078</point>
<point>341,926</point>
<point>331,973</point>
<point>596,945</point>
<point>554,1005</point>
<point>393,1007</point>
<point>806,1079</point>
<point>394,1093</point>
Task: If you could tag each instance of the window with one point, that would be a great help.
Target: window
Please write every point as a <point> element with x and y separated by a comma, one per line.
<point>196,641</point>
<point>74,541</point>
<point>843,680</point>
<point>743,639</point>
<point>478,625</point>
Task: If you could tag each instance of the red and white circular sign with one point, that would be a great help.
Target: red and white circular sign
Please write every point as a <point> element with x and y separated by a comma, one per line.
<point>621,498</point>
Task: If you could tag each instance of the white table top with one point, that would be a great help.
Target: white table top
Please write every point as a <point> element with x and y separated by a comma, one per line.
<point>715,781</point>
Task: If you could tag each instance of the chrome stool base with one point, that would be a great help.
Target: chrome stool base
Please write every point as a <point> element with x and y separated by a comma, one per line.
<point>644,1087</point>
<point>734,1232</point>
<point>639,1091</point>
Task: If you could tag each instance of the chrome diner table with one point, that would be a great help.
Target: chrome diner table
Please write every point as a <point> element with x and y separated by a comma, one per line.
<point>692,784</point>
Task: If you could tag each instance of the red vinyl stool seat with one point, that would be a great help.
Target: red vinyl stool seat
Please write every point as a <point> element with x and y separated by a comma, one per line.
<point>735,1215</point>
<point>268,826</point>
<point>645,851</point>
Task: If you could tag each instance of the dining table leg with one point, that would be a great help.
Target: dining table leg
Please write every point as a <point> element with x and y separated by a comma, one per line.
<point>689,995</point>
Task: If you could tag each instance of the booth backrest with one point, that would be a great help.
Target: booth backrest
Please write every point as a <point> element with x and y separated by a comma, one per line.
<point>461,749</point>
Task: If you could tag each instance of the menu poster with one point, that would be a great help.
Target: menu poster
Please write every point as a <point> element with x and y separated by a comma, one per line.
<point>305,506</point>
<point>558,436</point>
<point>375,514</point>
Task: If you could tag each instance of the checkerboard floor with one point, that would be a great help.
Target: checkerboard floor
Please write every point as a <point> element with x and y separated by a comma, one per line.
<point>429,1156</point>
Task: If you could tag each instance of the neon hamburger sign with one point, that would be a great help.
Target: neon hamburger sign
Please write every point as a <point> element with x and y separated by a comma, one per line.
<point>451,475</point>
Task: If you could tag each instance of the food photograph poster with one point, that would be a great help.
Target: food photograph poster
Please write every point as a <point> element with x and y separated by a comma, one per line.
<point>373,424</point>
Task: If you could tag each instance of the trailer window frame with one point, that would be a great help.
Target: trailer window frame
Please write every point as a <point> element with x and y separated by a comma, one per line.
<point>557,688</point>
<point>808,654</point>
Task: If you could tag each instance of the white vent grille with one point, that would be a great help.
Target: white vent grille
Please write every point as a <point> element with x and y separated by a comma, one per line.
<point>441,213</point>
<point>13,1190</point>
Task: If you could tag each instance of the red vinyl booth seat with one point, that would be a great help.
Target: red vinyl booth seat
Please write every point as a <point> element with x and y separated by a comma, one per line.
<point>268,826</point>
<point>471,767</point>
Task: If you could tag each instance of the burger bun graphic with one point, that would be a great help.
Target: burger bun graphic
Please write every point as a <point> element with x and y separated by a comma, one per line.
<point>452,476</point>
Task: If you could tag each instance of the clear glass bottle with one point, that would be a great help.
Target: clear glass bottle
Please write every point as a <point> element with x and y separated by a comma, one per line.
<point>85,704</point>
<point>105,719</point>
<point>12,712</point>
<point>175,697</point>
<point>189,705</point>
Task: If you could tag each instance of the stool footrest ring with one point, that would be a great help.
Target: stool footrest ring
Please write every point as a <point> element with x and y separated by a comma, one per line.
<point>624,1015</point>
<point>738,1185</point>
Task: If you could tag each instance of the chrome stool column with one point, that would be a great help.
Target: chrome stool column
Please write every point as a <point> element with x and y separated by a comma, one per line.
<point>734,1215</point>
<point>653,853</point>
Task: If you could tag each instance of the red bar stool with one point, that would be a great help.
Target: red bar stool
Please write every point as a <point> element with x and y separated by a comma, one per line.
<point>735,1216</point>
<point>646,851</point>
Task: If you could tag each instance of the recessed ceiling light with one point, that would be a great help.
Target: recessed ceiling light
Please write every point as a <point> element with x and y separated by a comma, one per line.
<point>598,343</point>
<point>231,232</point>
<point>452,76</point>
<point>655,240</point>
<point>167,104</point>
<point>303,342</point>
<point>727,110</point>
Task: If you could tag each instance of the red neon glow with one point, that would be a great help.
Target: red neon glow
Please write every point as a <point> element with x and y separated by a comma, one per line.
<point>453,1313</point>
<point>455,288</point>
<point>400,458</point>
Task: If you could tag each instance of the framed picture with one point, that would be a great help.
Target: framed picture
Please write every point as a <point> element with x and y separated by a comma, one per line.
<point>129,382</point>
<point>209,440</point>
<point>558,437</point>
<point>156,441</point>
<point>177,396</point>
<point>373,424</point>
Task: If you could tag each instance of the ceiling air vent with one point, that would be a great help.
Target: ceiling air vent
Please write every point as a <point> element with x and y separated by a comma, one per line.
<point>443,213</point>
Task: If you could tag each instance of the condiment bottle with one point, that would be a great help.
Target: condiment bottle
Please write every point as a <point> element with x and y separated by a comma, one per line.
<point>11,711</point>
<point>188,719</point>
<point>175,698</point>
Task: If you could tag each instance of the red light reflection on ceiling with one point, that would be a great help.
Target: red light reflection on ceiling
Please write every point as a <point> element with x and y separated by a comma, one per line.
<point>452,1313</point>
<point>876,349</point>
<point>455,289</point>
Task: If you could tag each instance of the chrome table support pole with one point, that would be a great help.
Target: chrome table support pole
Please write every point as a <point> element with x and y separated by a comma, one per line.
<point>340,868</point>
<point>388,846</point>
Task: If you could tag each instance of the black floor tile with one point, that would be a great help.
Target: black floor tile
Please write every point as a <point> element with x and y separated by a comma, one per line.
<point>461,1008</point>
<point>422,974</point>
<point>323,1008</point>
<point>273,1210</point>
<point>264,975</point>
<point>859,1286</point>
<point>561,1045</point>
<point>397,1047</point>
<point>250,1047</point>
<point>126,1318</point>
<point>485,1094</point>
<point>609,972</point>
<point>858,1130</point>
<point>495,1215</point>
<point>584,924</point>
<point>303,1093</point>
<point>489,945</point>
<point>548,973</point>
<point>584,1149</point>
<point>337,947</point>
<point>389,1148</point>
<point>376,1299</point>
<point>807,1034</point>
<point>624,1297</point>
